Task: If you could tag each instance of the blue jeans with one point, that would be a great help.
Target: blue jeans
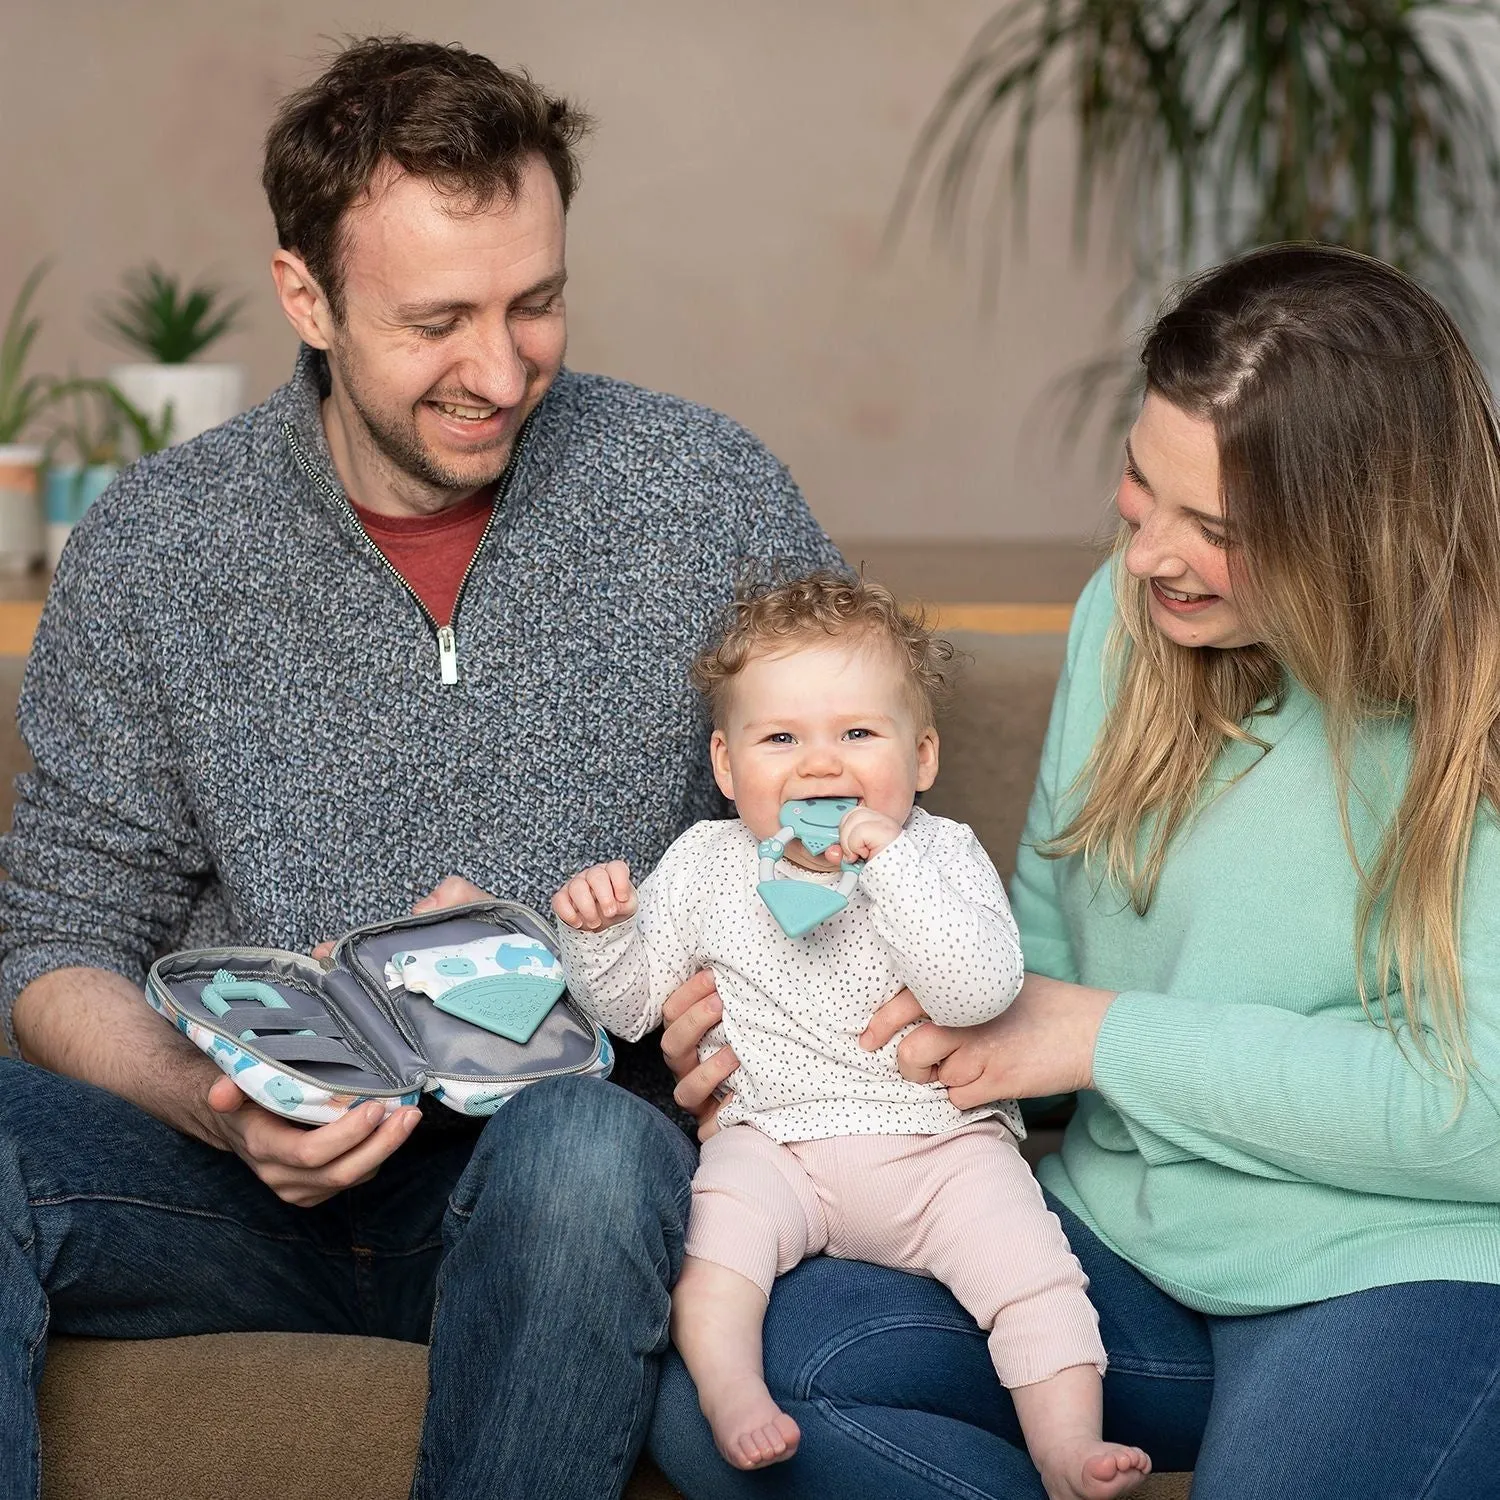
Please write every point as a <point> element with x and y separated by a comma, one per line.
<point>537,1257</point>
<point>1390,1394</point>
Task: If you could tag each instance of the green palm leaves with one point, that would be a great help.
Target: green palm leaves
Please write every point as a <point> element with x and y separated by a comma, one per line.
<point>157,318</point>
<point>1230,123</point>
<point>22,396</point>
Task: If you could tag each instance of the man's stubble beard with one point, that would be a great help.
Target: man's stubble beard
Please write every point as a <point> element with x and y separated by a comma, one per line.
<point>401,444</point>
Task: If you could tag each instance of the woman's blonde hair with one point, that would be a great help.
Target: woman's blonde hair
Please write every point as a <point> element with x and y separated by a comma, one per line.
<point>1359,462</point>
<point>768,618</point>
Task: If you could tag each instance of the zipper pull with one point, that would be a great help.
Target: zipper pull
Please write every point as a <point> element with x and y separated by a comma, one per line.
<point>448,654</point>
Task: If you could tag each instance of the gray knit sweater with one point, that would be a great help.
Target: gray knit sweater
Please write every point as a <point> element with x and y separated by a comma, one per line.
<point>236,707</point>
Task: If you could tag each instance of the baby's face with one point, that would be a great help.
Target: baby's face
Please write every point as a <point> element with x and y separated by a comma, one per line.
<point>822,720</point>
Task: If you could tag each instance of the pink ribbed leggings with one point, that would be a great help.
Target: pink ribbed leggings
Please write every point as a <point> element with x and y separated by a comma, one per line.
<point>961,1207</point>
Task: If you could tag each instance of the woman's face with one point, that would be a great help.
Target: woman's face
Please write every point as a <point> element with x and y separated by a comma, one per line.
<point>1169,498</point>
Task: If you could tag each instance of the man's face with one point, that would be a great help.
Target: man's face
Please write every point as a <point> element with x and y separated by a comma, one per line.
<point>453,329</point>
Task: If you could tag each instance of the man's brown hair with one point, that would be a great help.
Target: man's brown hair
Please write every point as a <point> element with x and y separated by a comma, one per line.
<point>768,619</point>
<point>437,112</point>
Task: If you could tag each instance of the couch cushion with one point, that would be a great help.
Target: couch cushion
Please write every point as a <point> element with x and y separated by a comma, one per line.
<point>14,757</point>
<point>190,1418</point>
<point>199,1419</point>
<point>279,1414</point>
<point>991,735</point>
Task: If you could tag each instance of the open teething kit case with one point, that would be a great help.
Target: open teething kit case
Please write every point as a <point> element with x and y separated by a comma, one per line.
<point>390,1016</point>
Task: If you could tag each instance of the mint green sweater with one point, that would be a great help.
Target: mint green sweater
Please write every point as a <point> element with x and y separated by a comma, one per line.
<point>1253,1140</point>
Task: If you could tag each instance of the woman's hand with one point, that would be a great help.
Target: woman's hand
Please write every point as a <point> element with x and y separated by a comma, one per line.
<point>690,1011</point>
<point>1044,1044</point>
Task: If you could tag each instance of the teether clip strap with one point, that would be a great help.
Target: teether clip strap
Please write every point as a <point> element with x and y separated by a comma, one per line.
<point>279,1022</point>
<point>296,1049</point>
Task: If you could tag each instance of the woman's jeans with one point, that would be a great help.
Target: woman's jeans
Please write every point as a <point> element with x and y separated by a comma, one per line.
<point>1391,1394</point>
<point>537,1255</point>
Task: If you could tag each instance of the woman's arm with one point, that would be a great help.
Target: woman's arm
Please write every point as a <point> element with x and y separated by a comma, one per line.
<point>1264,1090</point>
<point>1255,1088</point>
<point>1330,1098</point>
<point>1321,1098</point>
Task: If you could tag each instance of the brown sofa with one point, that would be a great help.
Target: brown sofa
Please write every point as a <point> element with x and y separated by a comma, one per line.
<point>172,1416</point>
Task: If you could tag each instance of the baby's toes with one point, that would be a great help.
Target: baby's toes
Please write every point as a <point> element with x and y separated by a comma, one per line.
<point>1115,1471</point>
<point>744,1453</point>
<point>763,1445</point>
<point>770,1441</point>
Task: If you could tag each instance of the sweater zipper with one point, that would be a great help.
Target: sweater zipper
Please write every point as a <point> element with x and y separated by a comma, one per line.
<point>447,640</point>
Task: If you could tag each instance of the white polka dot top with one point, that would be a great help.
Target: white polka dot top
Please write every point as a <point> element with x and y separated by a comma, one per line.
<point>929,914</point>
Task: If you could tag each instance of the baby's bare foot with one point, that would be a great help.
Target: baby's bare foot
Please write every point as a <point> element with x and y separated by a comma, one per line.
<point>750,1430</point>
<point>1093,1470</point>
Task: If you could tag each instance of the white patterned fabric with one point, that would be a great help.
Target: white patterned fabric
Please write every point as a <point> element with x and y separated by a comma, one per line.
<point>435,971</point>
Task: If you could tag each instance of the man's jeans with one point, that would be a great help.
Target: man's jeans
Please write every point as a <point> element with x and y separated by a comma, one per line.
<point>1388,1394</point>
<point>538,1260</point>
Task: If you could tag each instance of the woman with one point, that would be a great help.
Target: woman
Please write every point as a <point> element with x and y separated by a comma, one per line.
<point>1275,746</point>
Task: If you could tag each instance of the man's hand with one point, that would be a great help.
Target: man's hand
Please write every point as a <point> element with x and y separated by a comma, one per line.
<point>598,897</point>
<point>451,890</point>
<point>301,1165</point>
<point>690,1011</point>
<point>305,1165</point>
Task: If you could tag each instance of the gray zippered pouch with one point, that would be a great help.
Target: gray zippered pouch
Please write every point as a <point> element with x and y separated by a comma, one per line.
<point>329,1037</point>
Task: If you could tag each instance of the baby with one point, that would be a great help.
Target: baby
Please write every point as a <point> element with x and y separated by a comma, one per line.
<point>823,687</point>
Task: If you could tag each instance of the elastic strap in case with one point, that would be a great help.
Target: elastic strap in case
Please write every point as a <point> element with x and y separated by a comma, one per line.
<point>295,1049</point>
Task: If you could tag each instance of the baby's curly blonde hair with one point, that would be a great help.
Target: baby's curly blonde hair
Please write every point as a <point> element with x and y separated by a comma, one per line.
<point>768,619</point>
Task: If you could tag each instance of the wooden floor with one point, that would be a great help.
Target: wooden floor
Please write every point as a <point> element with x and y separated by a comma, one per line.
<point>1001,588</point>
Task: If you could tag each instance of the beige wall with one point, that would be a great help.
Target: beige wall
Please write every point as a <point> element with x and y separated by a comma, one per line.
<point>725,245</point>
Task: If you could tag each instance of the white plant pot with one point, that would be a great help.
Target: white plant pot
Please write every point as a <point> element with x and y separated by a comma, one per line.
<point>202,396</point>
<point>22,534</point>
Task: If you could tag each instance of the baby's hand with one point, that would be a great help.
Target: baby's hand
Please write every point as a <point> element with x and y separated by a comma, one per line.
<point>863,833</point>
<point>598,897</point>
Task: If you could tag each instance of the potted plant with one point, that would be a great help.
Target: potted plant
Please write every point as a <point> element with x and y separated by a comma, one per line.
<point>171,325</point>
<point>94,429</point>
<point>23,398</point>
<point>1228,124</point>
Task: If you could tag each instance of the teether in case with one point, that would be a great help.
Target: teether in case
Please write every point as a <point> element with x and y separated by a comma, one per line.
<point>312,1042</point>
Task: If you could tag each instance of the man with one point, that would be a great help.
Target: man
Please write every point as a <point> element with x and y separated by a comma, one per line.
<point>424,614</point>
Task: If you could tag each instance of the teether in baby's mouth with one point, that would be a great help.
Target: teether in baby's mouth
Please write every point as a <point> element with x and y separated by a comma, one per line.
<point>800,905</point>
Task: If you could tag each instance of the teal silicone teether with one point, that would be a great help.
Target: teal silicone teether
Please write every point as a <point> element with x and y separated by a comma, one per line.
<point>513,1002</point>
<point>800,905</point>
<point>510,1005</point>
<point>226,987</point>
